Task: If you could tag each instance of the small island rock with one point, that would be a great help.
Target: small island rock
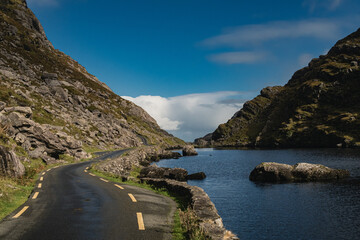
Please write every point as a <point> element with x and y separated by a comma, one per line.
<point>189,150</point>
<point>196,176</point>
<point>300,172</point>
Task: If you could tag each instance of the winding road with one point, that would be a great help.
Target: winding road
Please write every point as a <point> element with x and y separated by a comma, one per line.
<point>68,202</point>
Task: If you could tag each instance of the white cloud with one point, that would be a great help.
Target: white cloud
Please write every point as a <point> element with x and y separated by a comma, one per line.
<point>43,3</point>
<point>237,57</point>
<point>259,33</point>
<point>193,115</point>
<point>329,5</point>
<point>304,59</point>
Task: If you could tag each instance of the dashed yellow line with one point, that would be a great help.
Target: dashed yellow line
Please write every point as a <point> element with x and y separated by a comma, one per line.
<point>104,180</point>
<point>118,186</point>
<point>41,178</point>
<point>132,197</point>
<point>40,185</point>
<point>21,212</point>
<point>92,174</point>
<point>43,173</point>
<point>35,195</point>
<point>85,170</point>
<point>140,221</point>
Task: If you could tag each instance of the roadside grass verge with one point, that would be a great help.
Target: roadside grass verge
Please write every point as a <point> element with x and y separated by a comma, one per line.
<point>12,195</point>
<point>185,223</point>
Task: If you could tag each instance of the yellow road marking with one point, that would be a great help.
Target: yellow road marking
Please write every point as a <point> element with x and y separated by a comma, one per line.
<point>132,197</point>
<point>21,212</point>
<point>48,170</point>
<point>119,186</point>
<point>92,174</point>
<point>40,185</point>
<point>43,173</point>
<point>104,180</point>
<point>35,195</point>
<point>85,170</point>
<point>42,178</point>
<point>140,221</point>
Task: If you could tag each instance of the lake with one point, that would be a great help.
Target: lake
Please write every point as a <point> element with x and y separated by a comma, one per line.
<point>279,211</point>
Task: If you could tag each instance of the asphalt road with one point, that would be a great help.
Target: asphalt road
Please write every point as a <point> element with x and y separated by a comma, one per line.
<point>71,204</point>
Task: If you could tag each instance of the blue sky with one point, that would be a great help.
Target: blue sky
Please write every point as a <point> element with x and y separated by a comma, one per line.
<point>211,55</point>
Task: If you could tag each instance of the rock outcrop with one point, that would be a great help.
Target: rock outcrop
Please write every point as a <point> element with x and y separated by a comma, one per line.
<point>300,172</point>
<point>51,106</point>
<point>139,157</point>
<point>10,165</point>
<point>178,174</point>
<point>189,150</point>
<point>314,109</point>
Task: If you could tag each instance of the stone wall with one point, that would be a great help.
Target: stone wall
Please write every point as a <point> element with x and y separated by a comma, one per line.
<point>200,203</point>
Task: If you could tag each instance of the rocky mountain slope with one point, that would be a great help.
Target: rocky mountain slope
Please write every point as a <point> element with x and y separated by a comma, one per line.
<point>318,107</point>
<point>51,107</point>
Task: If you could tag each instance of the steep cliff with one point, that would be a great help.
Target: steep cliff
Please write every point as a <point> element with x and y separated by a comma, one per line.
<point>318,107</point>
<point>51,106</point>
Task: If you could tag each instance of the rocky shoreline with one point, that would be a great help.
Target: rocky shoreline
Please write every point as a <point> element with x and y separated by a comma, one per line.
<point>198,201</point>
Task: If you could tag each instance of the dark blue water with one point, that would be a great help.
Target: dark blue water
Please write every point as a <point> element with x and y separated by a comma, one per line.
<point>279,211</point>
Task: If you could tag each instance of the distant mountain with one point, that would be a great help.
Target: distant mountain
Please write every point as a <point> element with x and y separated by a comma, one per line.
<point>318,107</point>
<point>51,106</point>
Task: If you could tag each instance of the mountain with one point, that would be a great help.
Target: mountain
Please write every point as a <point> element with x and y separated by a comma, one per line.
<point>318,107</point>
<point>51,107</point>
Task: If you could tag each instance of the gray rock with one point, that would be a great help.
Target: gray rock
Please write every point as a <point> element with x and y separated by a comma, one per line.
<point>49,76</point>
<point>277,172</point>
<point>26,111</point>
<point>20,138</point>
<point>189,150</point>
<point>2,106</point>
<point>10,165</point>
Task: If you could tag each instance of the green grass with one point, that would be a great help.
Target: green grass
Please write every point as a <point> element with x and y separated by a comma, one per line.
<point>12,195</point>
<point>179,233</point>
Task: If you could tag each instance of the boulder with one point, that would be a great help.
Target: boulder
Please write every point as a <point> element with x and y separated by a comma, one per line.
<point>178,174</point>
<point>300,172</point>
<point>2,106</point>
<point>26,111</point>
<point>10,165</point>
<point>313,172</point>
<point>189,150</point>
<point>196,176</point>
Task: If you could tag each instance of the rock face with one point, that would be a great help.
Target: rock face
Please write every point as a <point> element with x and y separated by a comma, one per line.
<point>189,150</point>
<point>314,109</point>
<point>300,172</point>
<point>50,105</point>
<point>10,165</point>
